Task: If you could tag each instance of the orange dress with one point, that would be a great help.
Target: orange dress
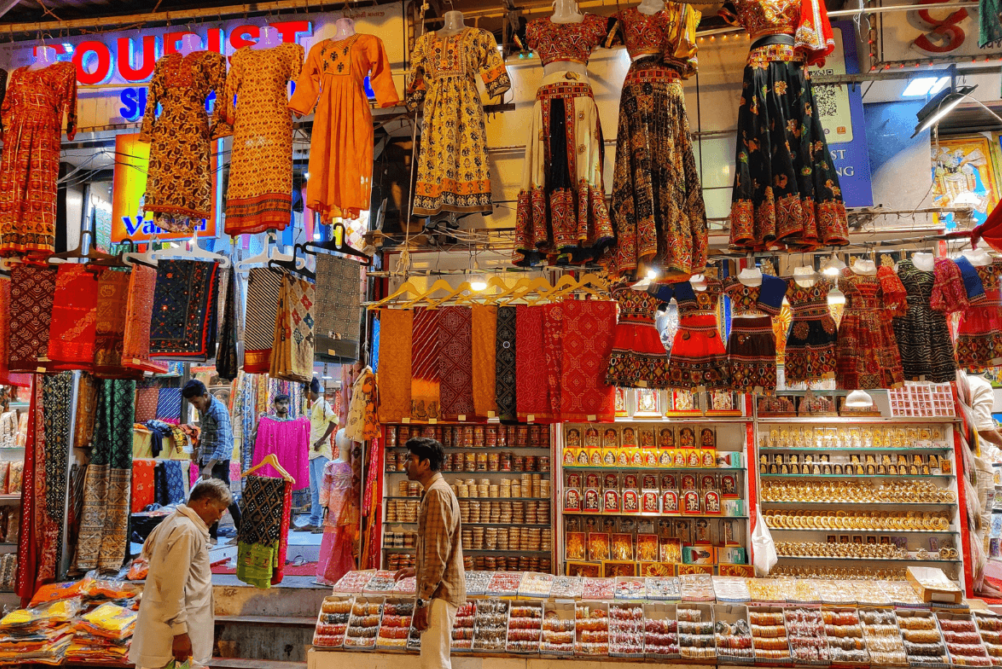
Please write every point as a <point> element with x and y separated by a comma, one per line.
<point>333,79</point>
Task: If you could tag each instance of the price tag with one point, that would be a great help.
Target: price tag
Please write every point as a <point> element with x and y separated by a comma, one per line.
<point>530,418</point>
<point>405,420</point>
<point>592,418</point>
<point>331,351</point>
<point>641,383</point>
<point>491,414</point>
<point>433,421</point>
<point>40,370</point>
<point>461,417</point>
<point>136,361</point>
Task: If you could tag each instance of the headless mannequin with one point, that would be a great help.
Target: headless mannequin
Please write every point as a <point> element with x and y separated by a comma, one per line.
<point>44,56</point>
<point>864,267</point>
<point>977,257</point>
<point>269,39</point>
<point>190,43</point>
<point>651,7</point>
<point>566,11</point>
<point>453,24</point>
<point>346,28</point>
<point>803,276</point>
<point>750,276</point>
<point>924,261</point>
<point>698,282</point>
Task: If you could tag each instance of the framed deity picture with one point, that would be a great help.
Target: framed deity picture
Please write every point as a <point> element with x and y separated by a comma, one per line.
<point>613,568</point>
<point>586,569</point>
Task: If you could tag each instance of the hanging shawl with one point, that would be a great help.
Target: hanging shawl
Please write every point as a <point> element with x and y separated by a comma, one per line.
<point>138,315</point>
<point>184,310</point>
<point>814,38</point>
<point>972,282</point>
<point>227,363</point>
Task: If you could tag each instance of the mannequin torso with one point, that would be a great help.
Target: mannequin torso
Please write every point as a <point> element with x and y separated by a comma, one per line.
<point>924,261</point>
<point>190,43</point>
<point>453,24</point>
<point>566,11</point>
<point>44,56</point>
<point>698,282</point>
<point>751,276</point>
<point>804,276</point>
<point>346,28</point>
<point>269,39</point>
<point>977,257</point>
<point>864,267</point>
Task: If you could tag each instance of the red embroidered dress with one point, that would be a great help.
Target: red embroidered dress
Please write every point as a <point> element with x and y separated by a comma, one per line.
<point>979,338</point>
<point>786,190</point>
<point>868,354</point>
<point>751,349</point>
<point>32,124</point>
<point>697,357</point>
<point>561,207</point>
<point>639,359</point>
<point>810,343</point>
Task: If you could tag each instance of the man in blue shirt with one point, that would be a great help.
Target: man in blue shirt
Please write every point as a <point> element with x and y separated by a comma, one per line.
<point>216,441</point>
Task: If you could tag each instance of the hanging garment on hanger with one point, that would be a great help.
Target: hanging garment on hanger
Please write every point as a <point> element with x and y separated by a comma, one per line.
<point>227,361</point>
<point>340,523</point>
<point>259,191</point>
<point>185,310</point>
<point>532,387</point>
<point>74,315</point>
<point>109,338</point>
<point>292,352</point>
<point>979,336</point>
<point>810,341</point>
<point>289,440</point>
<point>363,421</point>
<point>484,333</point>
<point>455,362</point>
<point>867,352</point>
<point>338,309</point>
<point>138,319</point>
<point>263,286</point>
<point>698,359</point>
<point>263,534</point>
<point>86,410</point>
<point>425,349</point>
<point>505,370</point>
<point>393,380</point>
<point>35,103</point>
<point>553,336</point>
<point>586,346</point>
<point>638,359</point>
<point>32,292</point>
<point>751,348</point>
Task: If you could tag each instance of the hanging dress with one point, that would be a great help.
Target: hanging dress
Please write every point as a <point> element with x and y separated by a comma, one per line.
<point>259,192</point>
<point>33,111</point>
<point>333,79</point>
<point>336,548</point>
<point>786,190</point>
<point>561,207</point>
<point>639,359</point>
<point>453,174</point>
<point>810,342</point>
<point>698,359</point>
<point>979,337</point>
<point>751,349</point>
<point>867,352</point>
<point>922,334</point>
<point>179,180</point>
<point>657,202</point>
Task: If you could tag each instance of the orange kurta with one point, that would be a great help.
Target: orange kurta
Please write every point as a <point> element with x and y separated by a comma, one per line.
<point>341,149</point>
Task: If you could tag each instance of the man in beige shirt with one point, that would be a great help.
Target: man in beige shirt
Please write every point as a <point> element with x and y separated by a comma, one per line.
<point>176,618</point>
<point>441,580</point>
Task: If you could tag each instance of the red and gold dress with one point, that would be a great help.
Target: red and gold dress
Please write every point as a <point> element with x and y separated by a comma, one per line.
<point>32,124</point>
<point>657,201</point>
<point>751,349</point>
<point>453,173</point>
<point>698,359</point>
<point>867,353</point>
<point>786,190</point>
<point>810,342</point>
<point>561,206</point>
<point>333,80</point>
<point>639,359</point>
<point>979,337</point>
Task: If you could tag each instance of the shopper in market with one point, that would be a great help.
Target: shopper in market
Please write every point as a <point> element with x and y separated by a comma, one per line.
<point>323,421</point>
<point>441,581</point>
<point>215,443</point>
<point>176,617</point>
<point>982,406</point>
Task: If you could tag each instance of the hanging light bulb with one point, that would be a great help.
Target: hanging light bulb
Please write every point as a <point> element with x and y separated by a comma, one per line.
<point>835,297</point>
<point>652,273</point>
<point>833,267</point>
<point>478,281</point>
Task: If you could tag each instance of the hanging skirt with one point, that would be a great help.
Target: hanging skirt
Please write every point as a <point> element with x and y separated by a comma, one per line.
<point>979,337</point>
<point>786,190</point>
<point>810,346</point>
<point>697,357</point>
<point>751,354</point>
<point>639,359</point>
<point>561,207</point>
<point>657,201</point>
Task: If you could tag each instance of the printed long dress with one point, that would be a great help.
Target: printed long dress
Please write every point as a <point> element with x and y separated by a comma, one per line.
<point>979,336</point>
<point>922,334</point>
<point>33,110</point>
<point>336,549</point>
<point>561,206</point>
<point>259,192</point>
<point>639,359</point>
<point>657,202</point>
<point>333,80</point>
<point>179,182</point>
<point>453,174</point>
<point>786,190</point>
<point>867,352</point>
<point>698,359</point>
<point>810,342</point>
<point>751,348</point>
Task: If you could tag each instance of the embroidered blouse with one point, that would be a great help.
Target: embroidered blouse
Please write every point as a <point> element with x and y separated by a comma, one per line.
<point>806,20</point>
<point>692,302</point>
<point>753,300</point>
<point>556,42</point>
<point>948,293</point>
<point>670,32</point>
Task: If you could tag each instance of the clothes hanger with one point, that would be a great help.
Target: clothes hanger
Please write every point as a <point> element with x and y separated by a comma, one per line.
<point>78,253</point>
<point>292,266</point>
<point>493,282</point>
<point>269,251</point>
<point>338,244</point>
<point>405,287</point>
<point>524,282</point>
<point>441,284</point>
<point>456,294</point>
<point>195,252</point>
<point>537,286</point>
<point>121,261</point>
<point>270,459</point>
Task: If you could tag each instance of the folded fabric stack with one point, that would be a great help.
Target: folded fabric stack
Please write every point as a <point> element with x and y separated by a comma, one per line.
<point>103,635</point>
<point>39,635</point>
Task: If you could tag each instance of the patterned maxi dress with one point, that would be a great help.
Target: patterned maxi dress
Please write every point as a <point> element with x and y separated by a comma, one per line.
<point>333,80</point>
<point>32,123</point>
<point>810,342</point>
<point>751,349</point>
<point>259,193</point>
<point>922,334</point>
<point>337,547</point>
<point>657,201</point>
<point>786,190</point>
<point>979,337</point>
<point>561,206</point>
<point>867,354</point>
<point>179,182</point>
<point>453,174</point>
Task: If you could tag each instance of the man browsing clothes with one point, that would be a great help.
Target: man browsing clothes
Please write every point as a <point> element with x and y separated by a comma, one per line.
<point>176,617</point>
<point>323,421</point>
<point>441,581</point>
<point>215,442</point>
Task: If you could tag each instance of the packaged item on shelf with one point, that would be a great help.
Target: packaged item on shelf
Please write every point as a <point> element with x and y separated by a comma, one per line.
<point>414,639</point>
<point>567,587</point>
<point>628,587</point>
<point>845,636</point>
<point>363,625</point>
<point>491,624</point>
<point>462,629</point>
<point>730,589</point>
<point>696,587</point>
<point>660,632</point>
<point>626,630</point>
<point>765,590</point>
<point>883,638</point>
<point>870,593</point>
<point>535,585</point>
<point>963,641</point>
<point>599,589</point>
<point>733,634</point>
<point>405,586</point>
<point>695,631</point>
<point>768,629</point>
<point>805,630</point>
<point>902,593</point>
<point>666,588</point>
<point>804,592</point>
<point>394,628</point>
<point>835,592</point>
<point>932,585</point>
<point>380,583</point>
<point>558,629</point>
<point>332,622</point>
<point>591,623</point>
<point>353,582</point>
<point>525,624</point>
<point>477,582</point>
<point>990,628</point>
<point>923,641</point>
<point>504,583</point>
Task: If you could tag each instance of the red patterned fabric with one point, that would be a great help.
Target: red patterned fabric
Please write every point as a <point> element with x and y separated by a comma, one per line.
<point>424,364</point>
<point>948,293</point>
<point>867,353</point>
<point>143,492</point>
<point>112,304</point>
<point>573,42</point>
<point>27,549</point>
<point>146,404</point>
<point>589,328</point>
<point>31,294</point>
<point>531,384</point>
<point>638,359</point>
<point>283,541</point>
<point>552,348</point>
<point>74,315</point>
<point>455,362</point>
<point>138,316</point>
<point>979,337</point>
<point>5,376</point>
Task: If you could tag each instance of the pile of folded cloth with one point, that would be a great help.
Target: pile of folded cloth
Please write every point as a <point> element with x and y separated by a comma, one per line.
<point>103,635</point>
<point>38,635</point>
